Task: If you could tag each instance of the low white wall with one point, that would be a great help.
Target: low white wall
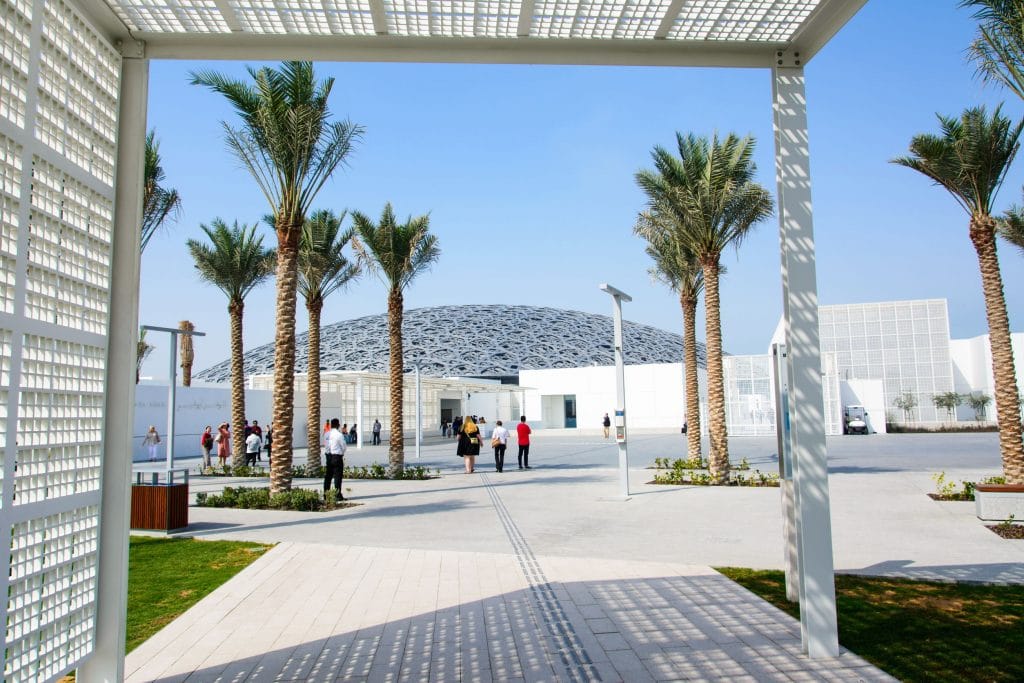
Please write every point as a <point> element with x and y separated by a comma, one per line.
<point>197,407</point>
<point>972,370</point>
<point>654,395</point>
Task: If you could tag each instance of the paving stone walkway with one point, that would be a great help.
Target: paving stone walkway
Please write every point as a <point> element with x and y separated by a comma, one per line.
<point>314,612</point>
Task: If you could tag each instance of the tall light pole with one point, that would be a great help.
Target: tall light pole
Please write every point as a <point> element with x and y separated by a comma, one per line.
<point>419,411</point>
<point>618,296</point>
<point>172,381</point>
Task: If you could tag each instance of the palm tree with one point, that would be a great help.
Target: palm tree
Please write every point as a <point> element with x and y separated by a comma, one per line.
<point>158,203</point>
<point>188,354</point>
<point>713,201</point>
<point>142,350</point>
<point>235,262</point>
<point>969,158</point>
<point>291,149</point>
<point>323,269</point>
<point>677,266</point>
<point>998,49</point>
<point>397,253</point>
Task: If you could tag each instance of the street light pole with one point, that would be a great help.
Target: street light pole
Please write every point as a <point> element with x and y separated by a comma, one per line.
<point>618,297</point>
<point>419,411</point>
<point>172,382</point>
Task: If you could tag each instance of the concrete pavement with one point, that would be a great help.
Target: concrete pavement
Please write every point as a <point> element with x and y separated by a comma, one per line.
<point>542,575</point>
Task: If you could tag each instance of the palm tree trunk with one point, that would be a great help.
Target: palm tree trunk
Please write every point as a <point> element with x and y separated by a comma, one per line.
<point>284,357</point>
<point>188,354</point>
<point>396,440</point>
<point>235,310</point>
<point>314,307</point>
<point>1003,370</point>
<point>719,456</point>
<point>689,304</point>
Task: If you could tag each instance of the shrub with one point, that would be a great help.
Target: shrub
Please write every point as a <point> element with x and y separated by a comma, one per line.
<point>305,500</point>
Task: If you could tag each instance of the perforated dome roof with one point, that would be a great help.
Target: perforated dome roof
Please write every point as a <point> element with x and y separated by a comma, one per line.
<point>462,341</point>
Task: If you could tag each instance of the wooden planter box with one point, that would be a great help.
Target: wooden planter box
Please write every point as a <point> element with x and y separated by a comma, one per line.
<point>159,507</point>
<point>996,502</point>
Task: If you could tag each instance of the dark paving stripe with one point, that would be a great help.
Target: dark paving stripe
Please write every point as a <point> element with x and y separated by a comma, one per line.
<point>578,664</point>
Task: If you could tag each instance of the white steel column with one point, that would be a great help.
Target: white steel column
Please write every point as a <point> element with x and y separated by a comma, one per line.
<point>359,411</point>
<point>107,662</point>
<point>807,419</point>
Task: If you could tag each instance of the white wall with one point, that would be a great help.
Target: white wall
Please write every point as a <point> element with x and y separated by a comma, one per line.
<point>196,408</point>
<point>654,395</point>
<point>972,370</point>
<point>869,393</point>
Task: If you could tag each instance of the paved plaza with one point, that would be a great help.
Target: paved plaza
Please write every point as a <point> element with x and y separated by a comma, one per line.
<point>544,575</point>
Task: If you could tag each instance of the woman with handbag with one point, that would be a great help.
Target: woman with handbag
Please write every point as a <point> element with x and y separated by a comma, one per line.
<point>469,443</point>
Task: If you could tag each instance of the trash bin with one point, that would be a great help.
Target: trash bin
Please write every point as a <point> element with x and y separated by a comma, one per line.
<point>159,503</point>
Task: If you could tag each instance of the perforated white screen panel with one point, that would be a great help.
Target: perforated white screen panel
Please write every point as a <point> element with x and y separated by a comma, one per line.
<point>59,85</point>
<point>693,20</point>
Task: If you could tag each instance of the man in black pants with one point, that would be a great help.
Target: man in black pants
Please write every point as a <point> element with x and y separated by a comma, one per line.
<point>335,458</point>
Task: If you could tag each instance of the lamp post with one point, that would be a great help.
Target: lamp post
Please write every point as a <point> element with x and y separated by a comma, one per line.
<point>419,411</point>
<point>618,297</point>
<point>172,382</point>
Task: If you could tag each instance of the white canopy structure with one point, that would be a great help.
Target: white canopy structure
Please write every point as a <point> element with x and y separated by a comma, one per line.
<point>73,93</point>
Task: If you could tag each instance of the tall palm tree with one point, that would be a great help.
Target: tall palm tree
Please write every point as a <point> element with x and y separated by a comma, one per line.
<point>188,354</point>
<point>678,267</point>
<point>290,147</point>
<point>235,262</point>
<point>710,193</point>
<point>397,254</point>
<point>158,203</point>
<point>969,158</point>
<point>323,270</point>
<point>998,49</point>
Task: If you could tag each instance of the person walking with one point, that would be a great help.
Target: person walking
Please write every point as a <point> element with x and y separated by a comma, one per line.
<point>253,444</point>
<point>206,443</point>
<point>469,444</point>
<point>523,436</point>
<point>270,438</point>
<point>151,441</point>
<point>223,440</point>
<point>353,435</point>
<point>335,458</point>
<point>258,431</point>
<point>456,426</point>
<point>606,423</point>
<point>499,442</point>
<point>376,432</point>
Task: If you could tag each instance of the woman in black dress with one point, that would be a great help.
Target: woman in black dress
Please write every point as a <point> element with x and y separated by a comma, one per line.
<point>469,443</point>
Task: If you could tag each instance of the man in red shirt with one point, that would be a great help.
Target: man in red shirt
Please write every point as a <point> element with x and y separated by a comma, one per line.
<point>523,432</point>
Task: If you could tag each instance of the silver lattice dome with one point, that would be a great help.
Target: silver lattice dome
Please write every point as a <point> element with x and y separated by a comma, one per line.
<point>463,341</point>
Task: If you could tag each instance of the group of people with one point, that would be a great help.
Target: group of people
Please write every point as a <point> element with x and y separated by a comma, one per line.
<point>255,442</point>
<point>351,434</point>
<point>470,435</point>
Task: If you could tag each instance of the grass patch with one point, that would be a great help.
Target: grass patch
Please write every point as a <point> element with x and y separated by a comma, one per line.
<point>919,630</point>
<point>166,576</point>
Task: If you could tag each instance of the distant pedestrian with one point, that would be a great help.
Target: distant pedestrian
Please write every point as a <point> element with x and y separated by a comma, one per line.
<point>523,436</point>
<point>444,427</point>
<point>335,458</point>
<point>606,423</point>
<point>353,435</point>
<point>469,444</point>
<point>151,441</point>
<point>456,426</point>
<point>247,430</point>
<point>223,440</point>
<point>253,444</point>
<point>499,442</point>
<point>258,431</point>
<point>485,429</point>
<point>270,437</point>
<point>376,432</point>
<point>206,443</point>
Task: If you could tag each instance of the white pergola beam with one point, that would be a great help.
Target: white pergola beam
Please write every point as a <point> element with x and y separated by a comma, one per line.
<point>819,628</point>
<point>107,662</point>
<point>822,25</point>
<point>380,18</point>
<point>238,46</point>
<point>525,18</point>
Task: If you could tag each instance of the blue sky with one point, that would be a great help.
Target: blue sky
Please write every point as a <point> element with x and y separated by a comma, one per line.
<point>527,174</point>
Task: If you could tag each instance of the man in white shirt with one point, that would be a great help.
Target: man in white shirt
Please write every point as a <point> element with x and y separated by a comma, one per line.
<point>253,444</point>
<point>335,458</point>
<point>499,440</point>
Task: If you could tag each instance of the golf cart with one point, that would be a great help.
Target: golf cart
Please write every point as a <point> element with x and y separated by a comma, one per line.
<point>855,420</point>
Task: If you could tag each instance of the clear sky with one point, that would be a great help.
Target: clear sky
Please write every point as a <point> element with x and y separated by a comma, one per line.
<point>527,174</point>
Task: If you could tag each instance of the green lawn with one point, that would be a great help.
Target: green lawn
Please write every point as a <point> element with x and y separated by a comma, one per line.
<point>918,630</point>
<point>166,576</point>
